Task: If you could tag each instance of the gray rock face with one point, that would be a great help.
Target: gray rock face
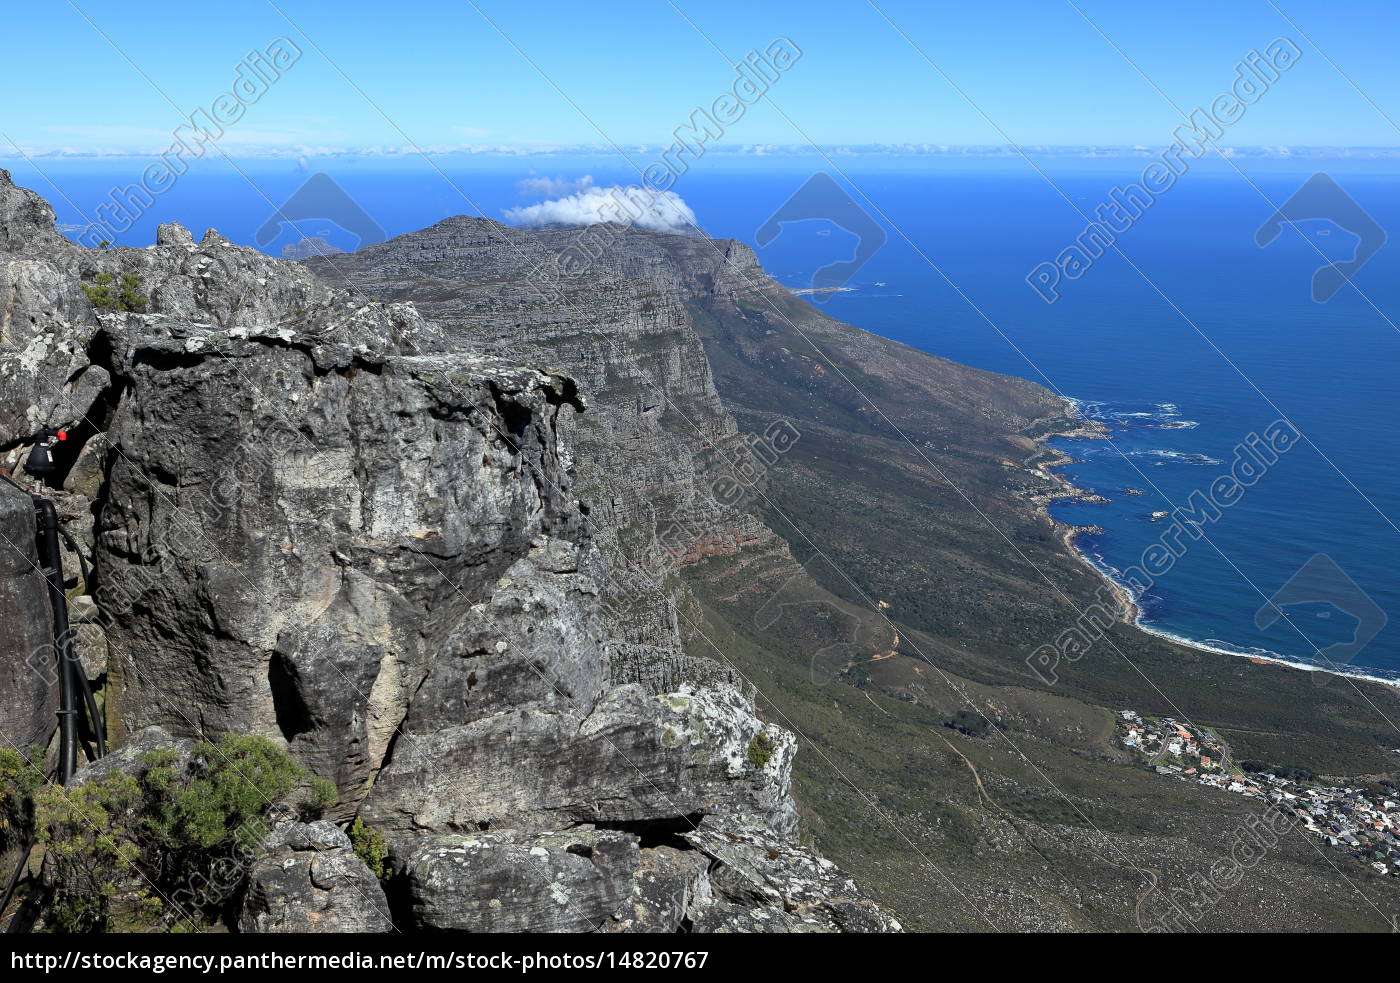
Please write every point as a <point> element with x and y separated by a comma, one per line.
<point>295,529</point>
<point>506,882</point>
<point>756,870</point>
<point>668,888</point>
<point>128,759</point>
<point>28,665</point>
<point>310,880</point>
<point>634,758</point>
<point>46,323</point>
<point>608,306</point>
<point>319,520</point>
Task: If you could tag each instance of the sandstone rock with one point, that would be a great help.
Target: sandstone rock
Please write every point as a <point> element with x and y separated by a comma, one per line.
<point>667,888</point>
<point>260,487</point>
<point>310,880</point>
<point>724,918</point>
<point>128,759</point>
<point>506,881</point>
<point>608,306</point>
<point>634,758</point>
<point>28,664</point>
<point>752,868</point>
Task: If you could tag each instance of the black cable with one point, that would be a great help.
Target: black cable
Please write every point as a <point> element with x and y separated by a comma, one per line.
<point>72,676</point>
<point>20,868</point>
<point>99,728</point>
<point>52,561</point>
<point>78,552</point>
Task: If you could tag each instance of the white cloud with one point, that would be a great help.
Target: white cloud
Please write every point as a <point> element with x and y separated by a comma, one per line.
<point>553,187</point>
<point>659,211</point>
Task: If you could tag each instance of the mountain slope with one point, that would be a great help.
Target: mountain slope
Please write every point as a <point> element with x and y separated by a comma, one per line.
<point>911,490</point>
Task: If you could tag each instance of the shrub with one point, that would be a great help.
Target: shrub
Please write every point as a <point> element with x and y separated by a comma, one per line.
<point>126,298</point>
<point>224,795</point>
<point>93,846</point>
<point>761,749</point>
<point>21,775</point>
<point>1295,773</point>
<point>969,723</point>
<point>178,828</point>
<point>369,846</point>
<point>324,794</point>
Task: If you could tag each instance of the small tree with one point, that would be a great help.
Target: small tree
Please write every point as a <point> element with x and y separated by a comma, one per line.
<point>969,723</point>
<point>106,294</point>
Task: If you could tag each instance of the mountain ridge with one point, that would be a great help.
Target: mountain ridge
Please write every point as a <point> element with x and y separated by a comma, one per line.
<point>914,560</point>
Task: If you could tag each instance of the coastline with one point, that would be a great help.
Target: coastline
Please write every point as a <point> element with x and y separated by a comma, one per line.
<point>1130,611</point>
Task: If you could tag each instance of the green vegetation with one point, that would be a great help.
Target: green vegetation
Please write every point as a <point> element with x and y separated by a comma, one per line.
<point>324,794</point>
<point>127,296</point>
<point>943,528</point>
<point>91,837</point>
<point>760,749</point>
<point>165,844</point>
<point>21,775</point>
<point>369,846</point>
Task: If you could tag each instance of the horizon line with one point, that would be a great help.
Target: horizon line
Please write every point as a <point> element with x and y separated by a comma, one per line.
<point>518,151</point>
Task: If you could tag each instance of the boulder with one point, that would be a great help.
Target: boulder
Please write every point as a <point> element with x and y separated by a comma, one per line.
<point>667,887</point>
<point>310,880</point>
<point>295,530</point>
<point>632,758</point>
<point>506,881</point>
<point>754,869</point>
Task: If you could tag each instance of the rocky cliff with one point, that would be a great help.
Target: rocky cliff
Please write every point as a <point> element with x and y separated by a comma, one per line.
<point>880,572</point>
<point>316,516</point>
<point>613,309</point>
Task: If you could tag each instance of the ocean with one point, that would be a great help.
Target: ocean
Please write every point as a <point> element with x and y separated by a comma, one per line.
<point>1191,354</point>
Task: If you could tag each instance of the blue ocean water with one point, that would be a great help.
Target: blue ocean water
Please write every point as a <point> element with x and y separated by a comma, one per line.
<point>1224,341</point>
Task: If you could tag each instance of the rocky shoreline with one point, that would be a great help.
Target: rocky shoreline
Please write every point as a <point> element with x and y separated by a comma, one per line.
<point>1063,490</point>
<point>1129,610</point>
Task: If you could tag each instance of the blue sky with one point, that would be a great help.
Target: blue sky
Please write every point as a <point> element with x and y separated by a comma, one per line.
<point>445,77</point>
